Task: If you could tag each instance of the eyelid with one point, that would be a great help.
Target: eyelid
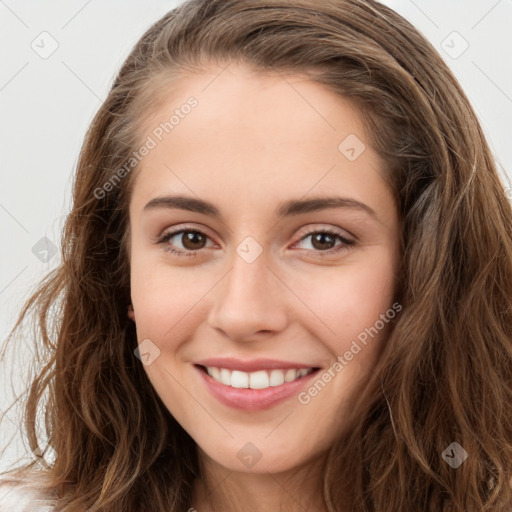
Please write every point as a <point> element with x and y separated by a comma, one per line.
<point>307,230</point>
<point>174,230</point>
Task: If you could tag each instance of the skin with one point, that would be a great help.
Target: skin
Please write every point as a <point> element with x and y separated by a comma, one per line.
<point>253,141</point>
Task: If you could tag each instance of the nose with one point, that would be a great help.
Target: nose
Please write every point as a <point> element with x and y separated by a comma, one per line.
<point>250,301</point>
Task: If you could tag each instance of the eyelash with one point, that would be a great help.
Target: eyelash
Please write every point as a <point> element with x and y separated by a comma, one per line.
<point>167,236</point>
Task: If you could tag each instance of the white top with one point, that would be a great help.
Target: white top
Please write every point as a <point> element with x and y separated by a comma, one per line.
<point>23,494</point>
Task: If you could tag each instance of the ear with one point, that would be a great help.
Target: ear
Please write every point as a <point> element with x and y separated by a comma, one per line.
<point>131,313</point>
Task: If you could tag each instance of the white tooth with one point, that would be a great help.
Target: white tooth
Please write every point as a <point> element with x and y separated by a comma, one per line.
<point>225,376</point>
<point>290,375</point>
<point>215,373</point>
<point>259,380</point>
<point>239,379</point>
<point>276,377</point>
<point>256,380</point>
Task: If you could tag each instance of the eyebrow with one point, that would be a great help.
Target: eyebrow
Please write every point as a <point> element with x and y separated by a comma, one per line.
<point>286,209</point>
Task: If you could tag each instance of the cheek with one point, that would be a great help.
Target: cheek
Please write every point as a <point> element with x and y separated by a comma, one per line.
<point>164,299</point>
<point>348,300</point>
<point>365,318</point>
<point>371,295</point>
<point>357,304</point>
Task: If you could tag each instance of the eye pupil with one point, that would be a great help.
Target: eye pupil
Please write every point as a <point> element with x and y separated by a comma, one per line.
<point>319,240</point>
<point>190,239</point>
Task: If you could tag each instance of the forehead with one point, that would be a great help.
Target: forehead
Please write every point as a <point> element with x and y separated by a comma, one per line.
<point>265,137</point>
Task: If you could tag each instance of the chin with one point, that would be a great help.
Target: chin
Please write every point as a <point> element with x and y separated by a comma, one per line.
<point>259,456</point>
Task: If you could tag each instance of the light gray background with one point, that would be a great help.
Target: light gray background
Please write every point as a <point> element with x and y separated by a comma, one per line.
<point>48,101</point>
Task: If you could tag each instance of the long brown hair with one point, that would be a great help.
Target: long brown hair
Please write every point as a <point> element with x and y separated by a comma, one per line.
<point>445,374</point>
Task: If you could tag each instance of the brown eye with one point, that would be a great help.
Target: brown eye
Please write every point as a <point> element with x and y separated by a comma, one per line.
<point>193,240</point>
<point>325,242</point>
<point>322,241</point>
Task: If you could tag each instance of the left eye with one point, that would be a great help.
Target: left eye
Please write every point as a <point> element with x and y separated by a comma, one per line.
<point>321,238</point>
<point>193,241</point>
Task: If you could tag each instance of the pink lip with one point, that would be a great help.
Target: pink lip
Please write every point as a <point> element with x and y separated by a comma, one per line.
<point>253,365</point>
<point>253,399</point>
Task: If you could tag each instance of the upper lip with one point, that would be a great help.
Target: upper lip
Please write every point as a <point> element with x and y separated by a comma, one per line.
<point>252,365</point>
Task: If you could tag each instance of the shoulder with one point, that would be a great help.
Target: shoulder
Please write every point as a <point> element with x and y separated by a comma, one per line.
<point>23,492</point>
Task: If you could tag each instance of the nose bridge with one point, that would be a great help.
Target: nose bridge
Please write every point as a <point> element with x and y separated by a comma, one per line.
<point>249,277</point>
<point>249,280</point>
<point>247,300</point>
<point>246,279</point>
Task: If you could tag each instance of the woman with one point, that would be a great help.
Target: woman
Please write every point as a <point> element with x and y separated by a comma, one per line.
<point>286,277</point>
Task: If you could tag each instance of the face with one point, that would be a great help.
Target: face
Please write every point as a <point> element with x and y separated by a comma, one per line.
<point>252,290</point>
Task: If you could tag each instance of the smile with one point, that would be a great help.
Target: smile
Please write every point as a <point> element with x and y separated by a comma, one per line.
<point>255,380</point>
<point>253,385</point>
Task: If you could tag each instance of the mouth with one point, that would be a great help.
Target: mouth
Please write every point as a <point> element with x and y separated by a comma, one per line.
<point>260,389</point>
<point>261,379</point>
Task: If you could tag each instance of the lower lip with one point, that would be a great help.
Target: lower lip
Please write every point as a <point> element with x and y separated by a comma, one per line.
<point>253,399</point>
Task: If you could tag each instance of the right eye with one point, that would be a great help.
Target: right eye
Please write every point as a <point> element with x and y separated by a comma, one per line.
<point>189,238</point>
